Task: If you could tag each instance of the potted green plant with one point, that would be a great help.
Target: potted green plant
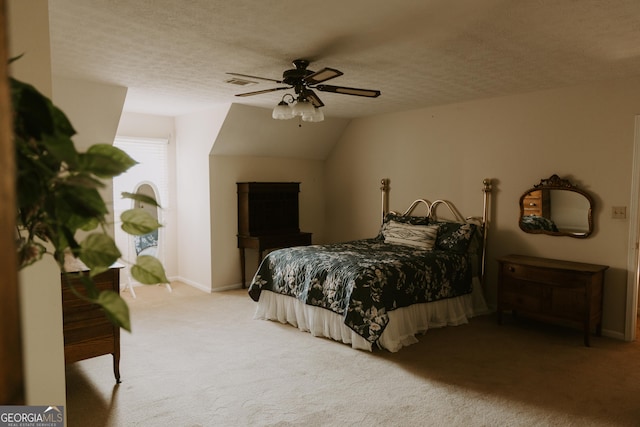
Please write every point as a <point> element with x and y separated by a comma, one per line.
<point>58,199</point>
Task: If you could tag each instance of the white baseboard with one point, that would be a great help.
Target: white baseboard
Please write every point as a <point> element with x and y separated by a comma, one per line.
<point>228,288</point>
<point>613,334</point>
<point>196,285</point>
<point>205,288</point>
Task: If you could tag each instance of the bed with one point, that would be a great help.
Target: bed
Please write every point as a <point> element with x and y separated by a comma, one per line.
<point>419,272</point>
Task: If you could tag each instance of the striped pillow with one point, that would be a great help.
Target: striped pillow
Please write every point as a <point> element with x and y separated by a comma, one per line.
<point>421,236</point>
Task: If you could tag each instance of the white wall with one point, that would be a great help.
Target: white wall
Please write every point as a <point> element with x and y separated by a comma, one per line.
<point>251,131</point>
<point>251,146</point>
<point>195,135</point>
<point>583,133</point>
<point>226,172</point>
<point>152,126</point>
<point>94,110</point>
<point>208,257</point>
<point>28,25</point>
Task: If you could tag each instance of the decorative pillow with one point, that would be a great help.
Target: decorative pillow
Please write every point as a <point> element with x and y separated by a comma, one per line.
<point>392,216</point>
<point>415,220</point>
<point>454,236</point>
<point>420,236</point>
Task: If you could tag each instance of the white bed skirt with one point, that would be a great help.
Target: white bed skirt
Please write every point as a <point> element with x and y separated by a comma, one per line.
<point>404,323</point>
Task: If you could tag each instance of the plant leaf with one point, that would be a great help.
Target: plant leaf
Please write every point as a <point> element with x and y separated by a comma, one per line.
<point>138,222</point>
<point>106,161</point>
<point>15,58</point>
<point>61,122</point>
<point>98,251</point>
<point>140,198</point>
<point>115,308</point>
<point>33,115</point>
<point>78,202</point>
<point>148,270</point>
<point>61,148</point>
<point>90,224</point>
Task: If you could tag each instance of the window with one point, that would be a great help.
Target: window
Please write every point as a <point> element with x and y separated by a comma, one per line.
<point>152,169</point>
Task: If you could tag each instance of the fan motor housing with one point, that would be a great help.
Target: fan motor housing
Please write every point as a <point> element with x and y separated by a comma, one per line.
<point>295,76</point>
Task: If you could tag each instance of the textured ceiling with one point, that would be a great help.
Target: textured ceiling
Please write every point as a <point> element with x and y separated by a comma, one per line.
<point>173,55</point>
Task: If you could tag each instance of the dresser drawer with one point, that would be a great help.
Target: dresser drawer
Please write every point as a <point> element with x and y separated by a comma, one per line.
<point>532,205</point>
<point>87,331</point>
<point>536,203</point>
<point>76,308</point>
<point>552,290</point>
<point>544,275</point>
<point>568,303</point>
<point>519,301</point>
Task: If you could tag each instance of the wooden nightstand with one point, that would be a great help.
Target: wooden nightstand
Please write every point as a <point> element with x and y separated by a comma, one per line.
<point>87,331</point>
<point>552,290</point>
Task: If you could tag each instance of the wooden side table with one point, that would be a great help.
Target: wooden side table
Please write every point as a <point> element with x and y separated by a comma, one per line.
<point>552,290</point>
<point>86,329</point>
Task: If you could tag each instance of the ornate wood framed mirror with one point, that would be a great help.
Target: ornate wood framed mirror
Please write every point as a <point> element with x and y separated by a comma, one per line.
<point>557,208</point>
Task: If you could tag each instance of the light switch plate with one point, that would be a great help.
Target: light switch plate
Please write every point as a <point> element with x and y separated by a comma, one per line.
<point>619,212</point>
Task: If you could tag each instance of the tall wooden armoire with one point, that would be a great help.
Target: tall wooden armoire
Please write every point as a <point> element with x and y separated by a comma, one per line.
<point>268,218</point>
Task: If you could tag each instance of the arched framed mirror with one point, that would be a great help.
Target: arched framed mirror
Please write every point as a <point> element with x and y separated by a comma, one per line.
<point>147,244</point>
<point>557,208</point>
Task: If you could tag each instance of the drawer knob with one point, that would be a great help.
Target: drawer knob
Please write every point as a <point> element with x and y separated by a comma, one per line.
<point>511,269</point>
<point>532,204</point>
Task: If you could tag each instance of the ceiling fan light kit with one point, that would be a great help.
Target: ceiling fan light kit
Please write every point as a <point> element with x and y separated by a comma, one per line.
<point>302,108</point>
<point>283,110</point>
<point>307,104</point>
<point>317,116</point>
<point>291,107</point>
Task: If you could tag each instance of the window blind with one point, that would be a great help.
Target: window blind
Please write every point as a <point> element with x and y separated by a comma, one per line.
<point>152,168</point>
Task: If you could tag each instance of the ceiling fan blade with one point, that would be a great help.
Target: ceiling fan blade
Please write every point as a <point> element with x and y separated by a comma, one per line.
<point>254,77</point>
<point>322,76</point>
<point>349,90</point>
<point>259,92</point>
<point>313,98</point>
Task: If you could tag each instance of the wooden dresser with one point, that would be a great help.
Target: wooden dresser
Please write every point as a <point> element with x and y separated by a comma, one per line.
<point>551,290</point>
<point>268,218</point>
<point>537,203</point>
<point>87,331</point>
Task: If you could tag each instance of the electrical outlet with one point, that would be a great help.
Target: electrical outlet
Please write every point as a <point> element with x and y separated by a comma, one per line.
<point>619,212</point>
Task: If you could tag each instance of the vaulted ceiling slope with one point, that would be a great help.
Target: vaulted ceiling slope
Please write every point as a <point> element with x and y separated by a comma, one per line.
<point>250,131</point>
<point>174,55</point>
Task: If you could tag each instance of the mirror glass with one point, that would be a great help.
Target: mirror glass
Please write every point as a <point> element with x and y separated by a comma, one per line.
<point>556,207</point>
<point>147,244</point>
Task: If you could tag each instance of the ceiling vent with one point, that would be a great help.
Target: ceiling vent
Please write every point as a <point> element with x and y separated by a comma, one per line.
<point>240,82</point>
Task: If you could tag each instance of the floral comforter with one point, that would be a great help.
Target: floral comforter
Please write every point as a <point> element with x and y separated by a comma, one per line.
<point>363,280</point>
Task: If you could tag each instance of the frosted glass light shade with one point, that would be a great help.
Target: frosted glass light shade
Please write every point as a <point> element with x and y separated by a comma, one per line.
<point>317,116</point>
<point>302,108</point>
<point>282,111</point>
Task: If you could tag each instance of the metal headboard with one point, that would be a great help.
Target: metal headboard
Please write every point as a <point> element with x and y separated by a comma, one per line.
<point>431,213</point>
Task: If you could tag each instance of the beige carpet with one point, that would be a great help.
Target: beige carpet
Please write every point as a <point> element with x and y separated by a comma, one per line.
<point>196,359</point>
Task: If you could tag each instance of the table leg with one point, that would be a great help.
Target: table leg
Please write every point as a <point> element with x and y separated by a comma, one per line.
<point>242,269</point>
<point>116,367</point>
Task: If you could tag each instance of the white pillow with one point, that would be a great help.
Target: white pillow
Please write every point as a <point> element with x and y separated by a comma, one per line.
<point>421,236</point>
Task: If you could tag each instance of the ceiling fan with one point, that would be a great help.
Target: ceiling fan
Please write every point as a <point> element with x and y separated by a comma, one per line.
<point>303,81</point>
